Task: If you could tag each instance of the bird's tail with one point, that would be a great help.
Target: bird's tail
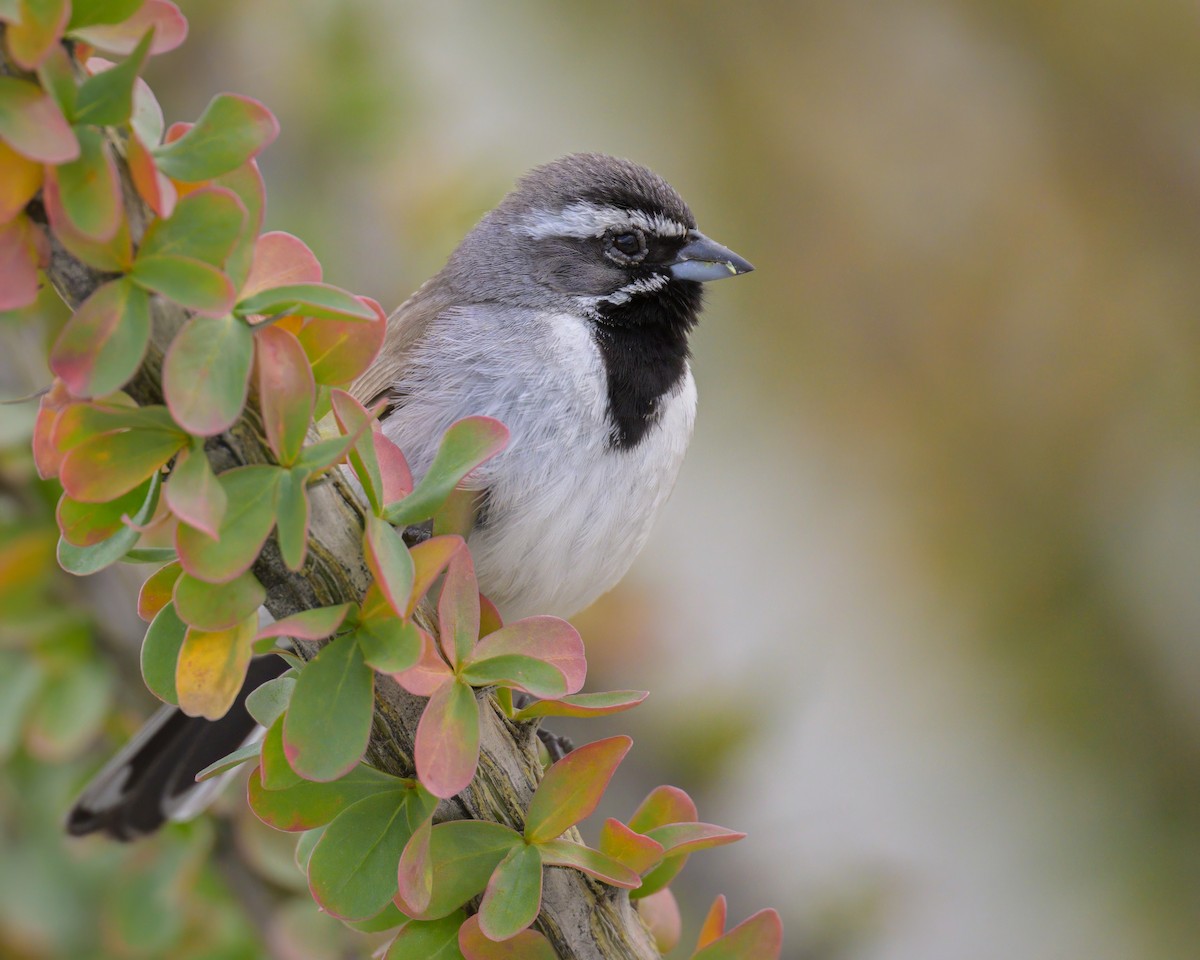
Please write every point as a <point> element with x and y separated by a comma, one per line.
<point>152,779</point>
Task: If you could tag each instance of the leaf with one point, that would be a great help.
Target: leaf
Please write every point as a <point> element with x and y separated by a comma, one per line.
<point>232,130</point>
<point>514,894</point>
<point>204,226</point>
<point>389,562</point>
<point>583,705</point>
<point>548,639</point>
<point>389,918</point>
<point>106,98</point>
<point>267,702</point>
<point>18,264</point>
<point>292,518</point>
<point>326,728</point>
<point>147,122</point>
<point>206,373</point>
<point>447,741</point>
<point>636,851</point>
<point>572,787</point>
<point>341,350</point>
<point>464,853</point>
<point>389,644</point>
<point>151,184</point>
<point>274,771</point>
<point>120,37</point>
<point>308,804</point>
<point>564,853</point>
<point>320,300</point>
<point>244,753</point>
<point>681,838</point>
<point>429,673</point>
<point>286,391</point>
<point>251,492</point>
<point>212,667</point>
<point>247,182</point>
<point>660,912</point>
<point>758,938</point>
<point>88,13</point>
<point>32,124</point>
<point>428,940</point>
<point>42,23</point>
<point>86,524</point>
<point>458,609</point>
<point>280,258</point>
<point>526,945</point>
<point>20,180</point>
<point>513,670</point>
<point>353,418</point>
<point>430,558</point>
<point>191,283</point>
<point>156,592</point>
<point>83,561</point>
<point>414,876</point>
<point>315,624</point>
<point>466,445</point>
<point>395,477</point>
<point>193,493</point>
<point>111,256</point>
<point>102,345</point>
<point>352,872</point>
<point>714,923</point>
<point>160,653</point>
<point>70,707</point>
<point>90,187</point>
<point>663,805</point>
<point>217,606</point>
<point>56,75</point>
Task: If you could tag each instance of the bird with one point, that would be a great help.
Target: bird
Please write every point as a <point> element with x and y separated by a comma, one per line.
<point>566,314</point>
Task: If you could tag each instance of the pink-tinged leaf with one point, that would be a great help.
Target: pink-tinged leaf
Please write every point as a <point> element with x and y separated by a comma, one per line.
<point>20,180</point>
<point>319,300</point>
<point>280,259</point>
<point>274,770</point>
<point>83,421</point>
<point>315,624</point>
<point>147,120</point>
<point>430,558</point>
<point>572,787</point>
<point>683,838</point>
<point>102,345</point>
<point>88,13</point>
<point>206,373</point>
<point>232,130</point>
<point>111,464</point>
<point>396,479</point>
<point>193,284</point>
<point>341,350</point>
<point>247,182</point>
<point>583,705</point>
<point>758,938</point>
<point>217,606</point>
<point>513,896</point>
<point>663,805</point>
<point>41,25</point>
<point>526,945</point>
<point>564,853</point>
<point>46,455</point>
<point>286,391</point>
<point>549,639</point>
<point>160,653</point>
<point>354,419</point>
<point>458,609</point>
<point>447,741</point>
<point>426,940</point>
<point>714,923</point>
<point>18,264</point>
<point>489,617</point>
<point>106,98</point>
<point>86,524</point>
<point>464,853</point>
<point>112,256</point>
<point>157,590</point>
<point>32,124</point>
<point>152,186</point>
<point>415,875</point>
<point>467,444</point>
<point>251,493</point>
<point>90,187</point>
<point>308,804</point>
<point>389,562</point>
<point>204,226</point>
<point>430,673</point>
<point>291,522</point>
<point>193,493</point>
<point>517,672</point>
<point>636,851</point>
<point>211,668</point>
<point>660,912</point>
<point>170,29</point>
<point>327,725</point>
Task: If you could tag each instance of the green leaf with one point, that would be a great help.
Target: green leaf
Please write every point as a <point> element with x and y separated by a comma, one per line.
<point>160,653</point>
<point>292,518</point>
<point>526,945</point>
<point>516,671</point>
<point>551,640</point>
<point>267,702</point>
<point>319,300</point>
<point>246,181</point>
<point>320,456</point>
<point>86,524</point>
<point>102,345</point>
<point>759,937</point>
<point>466,445</point>
<point>114,255</point>
<point>315,624</point>
<point>564,853</point>
<point>89,13</point>
<point>660,877</point>
<point>217,606</point>
<point>90,187</point>
<point>389,918</point>
<point>106,99</point>
<point>204,226</point>
<point>464,853</point>
<point>389,562</point>
<point>244,753</point>
<point>120,37</point>
<point>286,391</point>
<point>207,372</point>
<point>447,741</point>
<point>56,74</point>
<point>389,644</point>
<point>83,561</point>
<point>32,124</point>
<point>157,590</point>
<point>275,772</point>
<point>21,678</point>
<point>308,804</point>
<point>212,668</point>
<point>428,940</point>
<point>326,727</point>
<point>193,493</point>
<point>583,705</point>
<point>352,872</point>
<point>251,493</point>
<point>231,130</point>
<point>572,787</point>
<point>514,894</point>
<point>191,283</point>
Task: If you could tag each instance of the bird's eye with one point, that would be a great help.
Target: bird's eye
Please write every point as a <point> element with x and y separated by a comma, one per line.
<point>630,245</point>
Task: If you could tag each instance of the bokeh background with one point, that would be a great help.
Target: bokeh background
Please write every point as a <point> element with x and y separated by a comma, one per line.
<point>922,615</point>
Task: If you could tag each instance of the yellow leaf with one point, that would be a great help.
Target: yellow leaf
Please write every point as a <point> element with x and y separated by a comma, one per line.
<point>212,667</point>
<point>20,179</point>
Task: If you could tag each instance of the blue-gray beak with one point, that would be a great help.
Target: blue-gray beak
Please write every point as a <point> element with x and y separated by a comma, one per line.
<point>704,259</point>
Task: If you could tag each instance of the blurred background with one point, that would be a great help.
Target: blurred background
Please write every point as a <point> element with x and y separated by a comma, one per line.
<point>922,615</point>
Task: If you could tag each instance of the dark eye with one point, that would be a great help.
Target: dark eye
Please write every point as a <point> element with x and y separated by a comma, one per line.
<point>630,245</point>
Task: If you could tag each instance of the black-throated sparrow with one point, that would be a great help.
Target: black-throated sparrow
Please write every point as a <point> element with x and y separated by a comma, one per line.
<point>565,314</point>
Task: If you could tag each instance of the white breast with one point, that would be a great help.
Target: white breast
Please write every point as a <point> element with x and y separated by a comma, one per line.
<point>566,513</point>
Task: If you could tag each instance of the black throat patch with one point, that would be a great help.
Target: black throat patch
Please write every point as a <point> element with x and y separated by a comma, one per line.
<point>644,346</point>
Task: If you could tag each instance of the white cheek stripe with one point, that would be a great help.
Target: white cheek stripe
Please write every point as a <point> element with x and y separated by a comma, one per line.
<point>583,220</point>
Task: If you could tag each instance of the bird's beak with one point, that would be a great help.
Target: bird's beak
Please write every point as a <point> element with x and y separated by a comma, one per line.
<point>704,259</point>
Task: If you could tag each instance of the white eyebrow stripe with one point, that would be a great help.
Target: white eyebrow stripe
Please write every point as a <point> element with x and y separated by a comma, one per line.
<point>582,219</point>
